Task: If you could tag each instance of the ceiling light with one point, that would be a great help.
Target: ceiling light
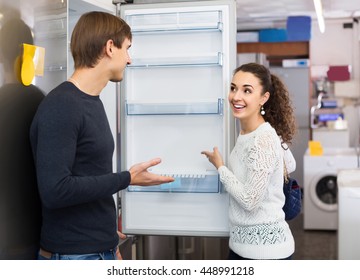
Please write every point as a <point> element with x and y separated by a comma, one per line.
<point>319,15</point>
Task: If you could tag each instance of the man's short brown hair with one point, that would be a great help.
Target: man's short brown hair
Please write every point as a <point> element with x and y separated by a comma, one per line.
<point>91,33</point>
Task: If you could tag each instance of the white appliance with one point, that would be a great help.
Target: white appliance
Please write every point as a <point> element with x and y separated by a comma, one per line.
<point>320,186</point>
<point>332,138</point>
<point>260,58</point>
<point>173,105</point>
<point>297,81</point>
<point>349,214</point>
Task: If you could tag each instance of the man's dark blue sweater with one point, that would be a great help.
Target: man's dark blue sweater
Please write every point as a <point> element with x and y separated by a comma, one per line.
<point>73,147</point>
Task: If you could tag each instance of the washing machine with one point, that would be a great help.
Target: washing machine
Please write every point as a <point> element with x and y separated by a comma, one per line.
<point>320,192</point>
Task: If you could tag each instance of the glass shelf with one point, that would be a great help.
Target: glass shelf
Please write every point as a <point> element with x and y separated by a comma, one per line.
<point>52,68</point>
<point>174,22</point>
<point>207,182</point>
<point>184,108</point>
<point>200,60</point>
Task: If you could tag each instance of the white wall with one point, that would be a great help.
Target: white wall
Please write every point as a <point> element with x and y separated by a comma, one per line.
<point>337,46</point>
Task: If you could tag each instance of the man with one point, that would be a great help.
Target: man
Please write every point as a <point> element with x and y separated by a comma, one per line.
<point>73,147</point>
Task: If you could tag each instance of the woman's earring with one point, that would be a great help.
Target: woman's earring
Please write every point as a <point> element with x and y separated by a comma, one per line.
<point>262,111</point>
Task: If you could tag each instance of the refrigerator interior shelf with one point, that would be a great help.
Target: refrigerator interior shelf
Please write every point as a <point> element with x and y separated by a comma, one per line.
<point>207,182</point>
<point>52,68</point>
<point>178,28</point>
<point>215,59</point>
<point>174,22</point>
<point>183,108</point>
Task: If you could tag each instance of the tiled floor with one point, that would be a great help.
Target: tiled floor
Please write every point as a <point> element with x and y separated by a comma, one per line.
<point>313,244</point>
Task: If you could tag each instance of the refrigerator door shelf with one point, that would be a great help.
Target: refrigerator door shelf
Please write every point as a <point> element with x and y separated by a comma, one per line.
<point>184,108</point>
<point>177,21</point>
<point>186,182</point>
<point>215,59</point>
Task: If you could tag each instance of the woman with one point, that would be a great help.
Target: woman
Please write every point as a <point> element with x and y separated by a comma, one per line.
<point>255,176</point>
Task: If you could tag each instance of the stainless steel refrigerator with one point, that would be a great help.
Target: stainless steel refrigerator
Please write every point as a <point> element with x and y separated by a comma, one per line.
<point>297,80</point>
<point>41,23</point>
<point>173,105</point>
<point>50,23</point>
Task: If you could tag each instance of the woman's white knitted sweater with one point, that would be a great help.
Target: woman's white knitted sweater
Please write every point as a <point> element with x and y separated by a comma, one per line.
<point>254,180</point>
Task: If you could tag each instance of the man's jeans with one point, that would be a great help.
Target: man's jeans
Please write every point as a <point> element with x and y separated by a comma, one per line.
<point>108,255</point>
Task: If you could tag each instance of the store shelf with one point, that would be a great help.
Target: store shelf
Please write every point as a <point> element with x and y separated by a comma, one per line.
<point>276,52</point>
<point>276,49</point>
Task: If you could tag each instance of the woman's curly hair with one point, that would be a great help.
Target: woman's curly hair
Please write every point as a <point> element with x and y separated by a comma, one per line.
<point>279,111</point>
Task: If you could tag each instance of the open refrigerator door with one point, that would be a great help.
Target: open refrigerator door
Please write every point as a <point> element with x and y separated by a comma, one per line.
<point>173,104</point>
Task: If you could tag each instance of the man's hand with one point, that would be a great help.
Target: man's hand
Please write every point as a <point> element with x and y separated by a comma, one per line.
<point>118,254</point>
<point>140,176</point>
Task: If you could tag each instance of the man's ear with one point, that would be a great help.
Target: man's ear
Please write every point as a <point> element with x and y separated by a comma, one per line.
<point>109,47</point>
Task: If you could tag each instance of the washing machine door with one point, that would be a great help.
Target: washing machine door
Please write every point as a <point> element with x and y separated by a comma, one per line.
<point>324,192</point>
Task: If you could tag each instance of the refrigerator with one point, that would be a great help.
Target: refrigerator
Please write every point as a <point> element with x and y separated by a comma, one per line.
<point>51,23</point>
<point>45,22</point>
<point>297,80</point>
<point>172,104</point>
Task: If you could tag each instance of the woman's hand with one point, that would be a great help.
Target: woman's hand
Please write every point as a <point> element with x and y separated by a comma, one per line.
<point>214,157</point>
